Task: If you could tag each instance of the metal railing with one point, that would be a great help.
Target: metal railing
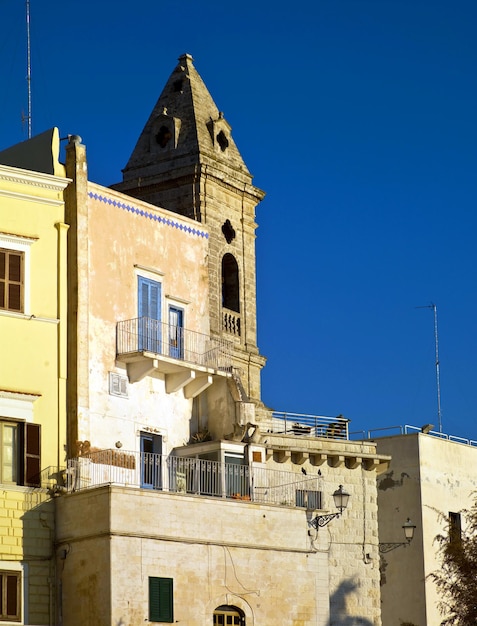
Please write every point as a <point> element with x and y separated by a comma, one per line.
<point>144,334</point>
<point>406,429</point>
<point>51,478</point>
<point>193,476</point>
<point>307,425</point>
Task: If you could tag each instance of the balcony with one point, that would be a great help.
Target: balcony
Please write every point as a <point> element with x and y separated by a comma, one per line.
<point>299,424</point>
<point>187,359</point>
<point>193,476</point>
<point>231,323</point>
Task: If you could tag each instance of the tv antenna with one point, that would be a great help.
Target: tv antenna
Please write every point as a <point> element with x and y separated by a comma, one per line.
<point>28,66</point>
<point>436,339</point>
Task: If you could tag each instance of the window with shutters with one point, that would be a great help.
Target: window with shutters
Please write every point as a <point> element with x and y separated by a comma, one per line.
<point>10,596</point>
<point>11,280</point>
<point>118,385</point>
<point>15,273</point>
<point>149,315</point>
<point>161,606</point>
<point>308,499</point>
<point>20,458</point>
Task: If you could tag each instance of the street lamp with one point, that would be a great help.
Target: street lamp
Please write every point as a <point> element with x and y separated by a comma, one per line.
<point>340,497</point>
<point>408,528</point>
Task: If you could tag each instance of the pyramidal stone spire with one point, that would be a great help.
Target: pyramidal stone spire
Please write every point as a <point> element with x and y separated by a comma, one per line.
<point>186,161</point>
<point>184,135</point>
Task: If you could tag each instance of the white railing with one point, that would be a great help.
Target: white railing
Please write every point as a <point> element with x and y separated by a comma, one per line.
<point>406,429</point>
<point>194,476</point>
<point>143,334</point>
<point>307,425</point>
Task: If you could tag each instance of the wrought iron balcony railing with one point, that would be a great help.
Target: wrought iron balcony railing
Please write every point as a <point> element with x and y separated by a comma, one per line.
<point>188,475</point>
<point>143,334</point>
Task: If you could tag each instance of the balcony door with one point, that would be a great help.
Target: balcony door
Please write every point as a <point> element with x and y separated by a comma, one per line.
<point>176,332</point>
<point>151,460</point>
<point>236,476</point>
<point>149,314</point>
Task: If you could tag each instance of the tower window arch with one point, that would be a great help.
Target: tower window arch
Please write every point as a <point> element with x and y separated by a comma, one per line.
<point>230,283</point>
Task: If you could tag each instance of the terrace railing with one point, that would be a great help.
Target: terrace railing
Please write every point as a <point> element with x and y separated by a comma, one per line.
<point>407,429</point>
<point>186,475</point>
<point>307,425</point>
<point>144,334</point>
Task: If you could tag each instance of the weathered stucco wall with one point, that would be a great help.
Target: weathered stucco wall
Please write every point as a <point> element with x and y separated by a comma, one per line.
<point>128,239</point>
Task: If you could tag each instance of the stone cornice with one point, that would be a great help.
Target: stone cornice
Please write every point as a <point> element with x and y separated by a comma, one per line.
<point>336,453</point>
<point>35,179</point>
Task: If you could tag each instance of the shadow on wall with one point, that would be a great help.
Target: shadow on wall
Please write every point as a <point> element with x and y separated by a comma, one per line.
<point>338,612</point>
<point>38,533</point>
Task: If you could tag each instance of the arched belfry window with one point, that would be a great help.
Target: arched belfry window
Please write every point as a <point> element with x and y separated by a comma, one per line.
<point>230,283</point>
<point>224,615</point>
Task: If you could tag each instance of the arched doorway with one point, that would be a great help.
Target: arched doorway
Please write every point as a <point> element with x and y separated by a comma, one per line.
<point>225,615</point>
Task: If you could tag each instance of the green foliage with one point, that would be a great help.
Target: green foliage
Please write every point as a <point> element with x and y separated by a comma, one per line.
<point>456,581</point>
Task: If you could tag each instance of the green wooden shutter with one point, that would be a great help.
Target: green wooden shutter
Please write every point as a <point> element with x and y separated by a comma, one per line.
<point>160,600</point>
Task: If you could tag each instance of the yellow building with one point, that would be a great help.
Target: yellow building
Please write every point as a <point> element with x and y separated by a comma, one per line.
<point>32,372</point>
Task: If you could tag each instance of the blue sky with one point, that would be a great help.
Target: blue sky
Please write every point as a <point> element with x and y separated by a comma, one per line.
<point>358,118</point>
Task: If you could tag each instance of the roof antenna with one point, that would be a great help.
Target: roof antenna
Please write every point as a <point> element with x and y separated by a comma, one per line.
<point>28,66</point>
<point>436,338</point>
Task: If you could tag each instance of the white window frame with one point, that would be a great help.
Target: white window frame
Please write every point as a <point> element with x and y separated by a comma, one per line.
<point>22,569</point>
<point>118,385</point>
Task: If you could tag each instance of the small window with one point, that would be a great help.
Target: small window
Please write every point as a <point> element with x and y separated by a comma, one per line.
<point>228,231</point>
<point>308,499</point>
<point>10,595</point>
<point>118,385</point>
<point>222,141</point>
<point>161,600</point>
<point>11,280</point>
<point>225,615</point>
<point>455,528</point>
<point>163,136</point>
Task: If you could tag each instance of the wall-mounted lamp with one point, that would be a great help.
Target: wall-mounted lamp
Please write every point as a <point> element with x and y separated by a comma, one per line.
<point>408,528</point>
<point>341,497</point>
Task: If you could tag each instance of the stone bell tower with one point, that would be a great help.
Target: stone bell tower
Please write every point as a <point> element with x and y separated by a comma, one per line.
<point>186,161</point>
